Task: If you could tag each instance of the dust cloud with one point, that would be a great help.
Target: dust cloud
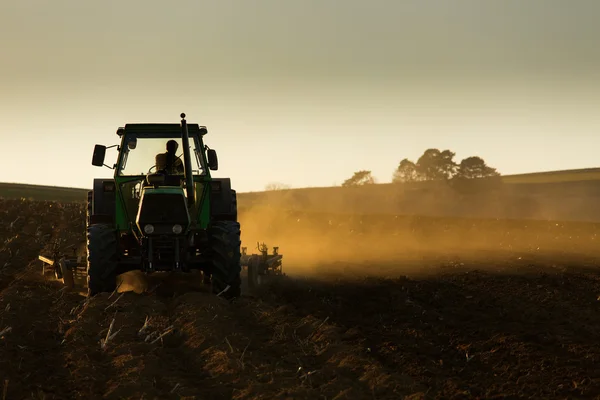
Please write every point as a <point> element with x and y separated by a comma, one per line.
<point>333,236</point>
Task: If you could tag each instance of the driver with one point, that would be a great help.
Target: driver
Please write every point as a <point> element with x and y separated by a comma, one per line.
<point>169,162</point>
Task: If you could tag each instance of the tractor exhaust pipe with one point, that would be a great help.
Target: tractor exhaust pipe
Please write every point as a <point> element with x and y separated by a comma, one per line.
<point>187,161</point>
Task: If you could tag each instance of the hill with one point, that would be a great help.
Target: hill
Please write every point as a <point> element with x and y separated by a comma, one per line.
<point>562,195</point>
<point>39,192</point>
<point>585,174</point>
<point>558,195</point>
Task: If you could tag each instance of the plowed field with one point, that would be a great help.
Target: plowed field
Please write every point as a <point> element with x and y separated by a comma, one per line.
<point>438,316</point>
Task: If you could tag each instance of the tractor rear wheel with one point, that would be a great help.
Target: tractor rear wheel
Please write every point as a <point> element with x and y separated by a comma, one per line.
<point>224,243</point>
<point>101,259</point>
<point>88,212</point>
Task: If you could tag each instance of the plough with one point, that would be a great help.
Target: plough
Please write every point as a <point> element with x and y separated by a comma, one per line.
<point>70,270</point>
<point>261,265</point>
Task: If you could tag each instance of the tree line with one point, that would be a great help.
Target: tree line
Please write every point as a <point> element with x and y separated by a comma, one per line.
<point>433,165</point>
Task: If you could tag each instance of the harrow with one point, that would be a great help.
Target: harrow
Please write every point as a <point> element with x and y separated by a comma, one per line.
<point>263,265</point>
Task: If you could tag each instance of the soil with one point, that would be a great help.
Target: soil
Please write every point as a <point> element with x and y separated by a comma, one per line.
<point>511,327</point>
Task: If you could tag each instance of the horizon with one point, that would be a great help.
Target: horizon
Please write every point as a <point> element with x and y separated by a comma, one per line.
<point>366,86</point>
<point>596,169</point>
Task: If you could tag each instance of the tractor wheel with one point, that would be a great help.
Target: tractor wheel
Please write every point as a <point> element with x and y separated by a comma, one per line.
<point>224,242</point>
<point>88,214</point>
<point>101,259</point>
<point>234,204</point>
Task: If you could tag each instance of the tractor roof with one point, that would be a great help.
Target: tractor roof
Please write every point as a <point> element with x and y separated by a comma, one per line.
<point>160,130</point>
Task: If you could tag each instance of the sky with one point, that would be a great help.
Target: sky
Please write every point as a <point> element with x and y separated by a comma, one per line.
<point>301,92</point>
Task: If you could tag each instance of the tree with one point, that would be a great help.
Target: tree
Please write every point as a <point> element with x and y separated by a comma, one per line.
<point>276,186</point>
<point>406,172</point>
<point>360,178</point>
<point>475,167</point>
<point>436,165</point>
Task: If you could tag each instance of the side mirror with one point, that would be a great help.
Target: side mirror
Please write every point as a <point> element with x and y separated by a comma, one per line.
<point>99,155</point>
<point>213,161</point>
<point>132,144</point>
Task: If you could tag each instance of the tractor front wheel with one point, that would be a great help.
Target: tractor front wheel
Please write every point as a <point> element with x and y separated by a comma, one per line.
<point>224,242</point>
<point>101,259</point>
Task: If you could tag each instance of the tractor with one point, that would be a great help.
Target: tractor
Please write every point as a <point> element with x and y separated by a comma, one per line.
<point>162,211</point>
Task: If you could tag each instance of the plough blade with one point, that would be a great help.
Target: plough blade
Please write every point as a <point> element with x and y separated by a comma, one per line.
<point>69,270</point>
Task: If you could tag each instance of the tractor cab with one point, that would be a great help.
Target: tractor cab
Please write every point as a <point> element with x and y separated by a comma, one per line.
<point>160,159</point>
<point>146,148</point>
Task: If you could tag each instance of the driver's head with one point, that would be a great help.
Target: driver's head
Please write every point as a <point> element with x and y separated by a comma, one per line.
<point>172,146</point>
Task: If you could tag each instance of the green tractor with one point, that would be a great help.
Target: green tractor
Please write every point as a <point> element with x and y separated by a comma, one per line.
<point>161,213</point>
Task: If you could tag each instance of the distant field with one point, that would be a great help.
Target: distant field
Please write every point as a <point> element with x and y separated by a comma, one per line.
<point>586,174</point>
<point>563,195</point>
<point>37,192</point>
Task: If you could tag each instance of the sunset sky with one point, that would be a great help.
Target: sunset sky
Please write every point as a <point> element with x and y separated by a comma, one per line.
<point>302,92</point>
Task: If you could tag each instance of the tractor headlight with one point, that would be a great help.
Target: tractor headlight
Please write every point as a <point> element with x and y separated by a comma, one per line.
<point>149,229</point>
<point>177,229</point>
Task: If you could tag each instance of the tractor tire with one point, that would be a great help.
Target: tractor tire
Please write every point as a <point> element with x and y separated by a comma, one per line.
<point>234,205</point>
<point>88,214</point>
<point>101,259</point>
<point>225,254</point>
